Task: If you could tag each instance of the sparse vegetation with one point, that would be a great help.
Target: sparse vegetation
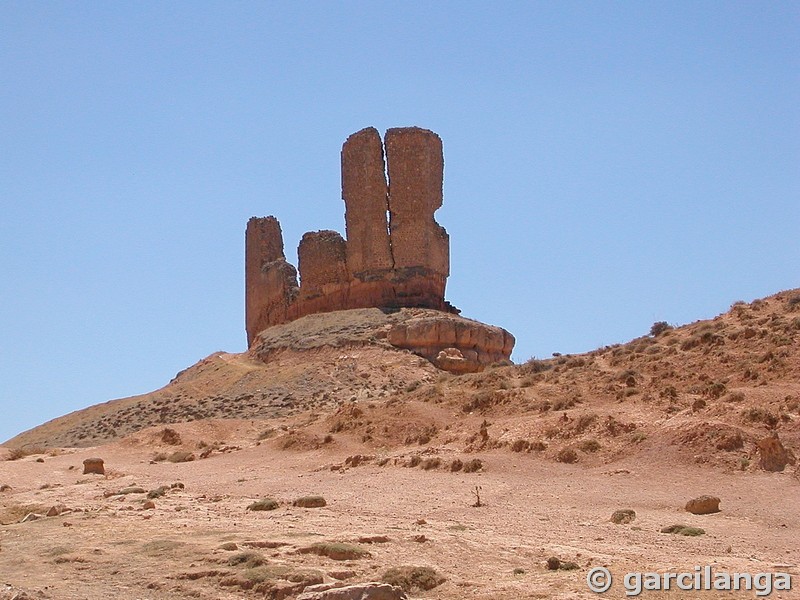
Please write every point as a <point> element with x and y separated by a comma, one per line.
<point>413,579</point>
<point>336,550</point>
<point>310,502</point>
<point>659,327</point>
<point>472,466</point>
<point>680,529</point>
<point>590,446</point>
<point>181,456</point>
<point>248,560</point>
<point>18,453</point>
<point>567,455</point>
<point>264,504</point>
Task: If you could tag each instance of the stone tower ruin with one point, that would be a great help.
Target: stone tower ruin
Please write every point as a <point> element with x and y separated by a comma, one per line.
<point>395,256</point>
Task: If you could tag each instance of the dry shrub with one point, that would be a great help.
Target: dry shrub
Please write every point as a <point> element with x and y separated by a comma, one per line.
<point>431,463</point>
<point>584,421</point>
<point>567,455</point>
<point>520,446</point>
<point>731,442</point>
<point>412,579</point>
<point>249,560</point>
<point>17,453</point>
<point>474,465</point>
<point>181,456</point>
<point>170,437</point>
<point>756,414</point>
<point>336,550</point>
<point>264,504</point>
<point>589,446</point>
<point>456,465</point>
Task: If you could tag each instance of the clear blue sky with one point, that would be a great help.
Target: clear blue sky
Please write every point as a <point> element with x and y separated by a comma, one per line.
<point>607,165</point>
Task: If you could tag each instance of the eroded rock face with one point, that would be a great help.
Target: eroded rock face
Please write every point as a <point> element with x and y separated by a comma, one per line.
<point>270,281</point>
<point>454,344</point>
<point>395,255</point>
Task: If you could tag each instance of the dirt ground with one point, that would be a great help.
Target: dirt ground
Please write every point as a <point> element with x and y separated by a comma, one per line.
<point>532,509</point>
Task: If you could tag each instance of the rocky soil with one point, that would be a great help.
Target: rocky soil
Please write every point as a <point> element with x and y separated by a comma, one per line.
<point>475,479</point>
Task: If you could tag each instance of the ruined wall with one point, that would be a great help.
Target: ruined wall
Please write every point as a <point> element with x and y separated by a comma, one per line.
<point>395,255</point>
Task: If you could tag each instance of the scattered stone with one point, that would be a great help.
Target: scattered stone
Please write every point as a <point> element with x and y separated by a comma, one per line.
<point>40,460</point>
<point>31,517</point>
<point>373,539</point>
<point>56,510</point>
<point>703,505</point>
<point>133,489</point>
<point>310,502</point>
<point>93,466</point>
<point>420,539</point>
<point>361,591</point>
<point>5,487</point>
<point>774,456</point>
<point>149,505</point>
<point>680,529</point>
<point>623,516</point>
<point>158,492</point>
<point>553,563</point>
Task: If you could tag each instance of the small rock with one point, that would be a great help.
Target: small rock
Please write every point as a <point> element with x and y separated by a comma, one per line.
<point>420,539</point>
<point>681,529</point>
<point>31,517</point>
<point>40,460</point>
<point>553,563</point>
<point>774,456</point>
<point>703,505</point>
<point>623,516</point>
<point>56,510</point>
<point>310,502</point>
<point>373,539</point>
<point>133,489</point>
<point>5,487</point>
<point>149,505</point>
<point>93,465</point>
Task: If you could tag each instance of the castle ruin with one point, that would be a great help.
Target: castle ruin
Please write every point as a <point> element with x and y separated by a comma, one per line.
<point>395,256</point>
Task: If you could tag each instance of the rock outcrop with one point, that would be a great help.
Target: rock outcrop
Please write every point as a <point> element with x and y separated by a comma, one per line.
<point>395,256</point>
<point>453,344</point>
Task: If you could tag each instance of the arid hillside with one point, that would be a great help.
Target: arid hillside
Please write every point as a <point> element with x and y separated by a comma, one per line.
<point>708,391</point>
<point>327,457</point>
